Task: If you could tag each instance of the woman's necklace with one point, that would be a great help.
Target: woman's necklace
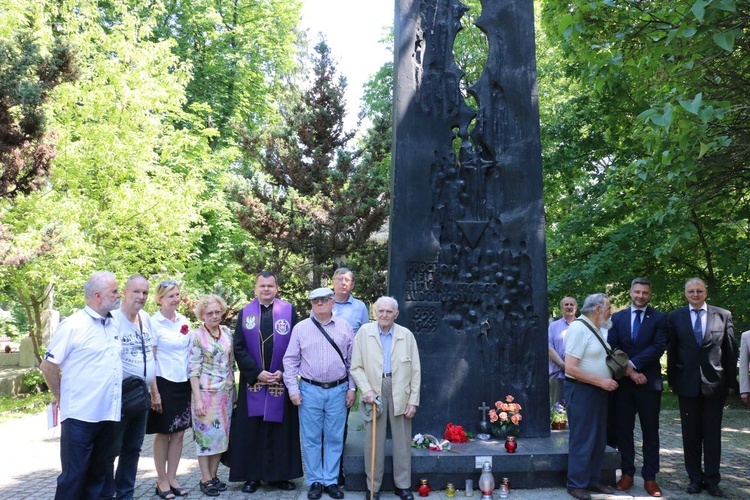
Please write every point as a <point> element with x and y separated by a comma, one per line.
<point>215,337</point>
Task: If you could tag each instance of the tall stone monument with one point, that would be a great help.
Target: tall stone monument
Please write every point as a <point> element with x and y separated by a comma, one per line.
<point>467,251</point>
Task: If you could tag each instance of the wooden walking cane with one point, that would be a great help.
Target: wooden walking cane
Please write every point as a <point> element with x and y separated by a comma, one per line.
<point>372,455</point>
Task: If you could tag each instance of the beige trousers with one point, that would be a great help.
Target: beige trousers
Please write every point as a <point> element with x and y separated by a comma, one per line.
<point>401,434</point>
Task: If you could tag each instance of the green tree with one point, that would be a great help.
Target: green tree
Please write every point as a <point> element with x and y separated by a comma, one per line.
<point>645,157</point>
<point>125,187</point>
<point>239,53</point>
<point>312,201</point>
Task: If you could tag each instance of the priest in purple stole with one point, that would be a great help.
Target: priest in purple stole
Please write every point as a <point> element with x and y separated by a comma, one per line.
<point>264,438</point>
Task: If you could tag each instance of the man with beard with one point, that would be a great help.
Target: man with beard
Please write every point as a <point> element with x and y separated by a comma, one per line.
<point>264,443</point>
<point>83,370</point>
<point>588,380</point>
<point>640,331</point>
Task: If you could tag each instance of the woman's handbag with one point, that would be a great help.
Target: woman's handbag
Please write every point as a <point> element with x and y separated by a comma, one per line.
<point>617,359</point>
<point>135,396</point>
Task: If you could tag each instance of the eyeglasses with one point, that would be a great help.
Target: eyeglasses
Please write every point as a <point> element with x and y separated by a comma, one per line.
<point>320,300</point>
<point>213,313</point>
<point>167,284</point>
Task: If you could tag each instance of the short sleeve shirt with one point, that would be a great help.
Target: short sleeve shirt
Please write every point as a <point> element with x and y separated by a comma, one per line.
<point>87,349</point>
<point>132,349</point>
<point>581,343</point>
<point>172,346</point>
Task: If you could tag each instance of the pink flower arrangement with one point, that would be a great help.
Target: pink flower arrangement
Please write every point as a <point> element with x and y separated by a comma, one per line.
<point>506,416</point>
<point>184,330</point>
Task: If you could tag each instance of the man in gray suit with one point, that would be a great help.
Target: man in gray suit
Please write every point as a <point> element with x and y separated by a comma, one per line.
<point>701,368</point>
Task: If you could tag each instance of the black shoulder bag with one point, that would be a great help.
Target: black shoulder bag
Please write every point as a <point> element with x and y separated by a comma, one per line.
<point>135,397</point>
<point>617,359</point>
<point>329,339</point>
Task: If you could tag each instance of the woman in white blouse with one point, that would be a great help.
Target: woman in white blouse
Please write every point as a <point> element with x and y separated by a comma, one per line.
<point>170,391</point>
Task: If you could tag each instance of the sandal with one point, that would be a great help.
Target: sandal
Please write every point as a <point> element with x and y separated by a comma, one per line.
<point>166,495</point>
<point>209,489</point>
<point>179,491</point>
<point>221,486</point>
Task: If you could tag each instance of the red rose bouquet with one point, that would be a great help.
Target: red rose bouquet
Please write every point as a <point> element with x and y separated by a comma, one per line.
<point>455,433</point>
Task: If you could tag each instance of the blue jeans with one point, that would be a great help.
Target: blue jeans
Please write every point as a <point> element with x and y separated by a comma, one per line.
<point>322,415</point>
<point>85,450</point>
<point>127,445</point>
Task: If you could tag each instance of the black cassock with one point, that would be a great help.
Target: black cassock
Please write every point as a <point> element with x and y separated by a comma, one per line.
<point>261,451</point>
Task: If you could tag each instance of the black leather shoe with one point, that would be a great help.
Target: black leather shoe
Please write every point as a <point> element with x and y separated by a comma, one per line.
<point>694,488</point>
<point>315,492</point>
<point>372,496</point>
<point>283,485</point>
<point>404,494</point>
<point>601,488</point>
<point>250,486</point>
<point>334,491</point>
<point>715,491</point>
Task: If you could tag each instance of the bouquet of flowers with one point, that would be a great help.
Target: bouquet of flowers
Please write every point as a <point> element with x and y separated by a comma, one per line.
<point>419,441</point>
<point>431,442</point>
<point>506,417</point>
<point>557,413</point>
<point>455,433</point>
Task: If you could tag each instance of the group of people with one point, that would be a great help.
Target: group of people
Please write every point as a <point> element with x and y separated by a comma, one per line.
<point>297,381</point>
<point>188,375</point>
<point>701,370</point>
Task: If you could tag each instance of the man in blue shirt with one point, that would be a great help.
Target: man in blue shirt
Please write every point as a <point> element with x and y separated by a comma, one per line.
<point>346,306</point>
<point>354,311</point>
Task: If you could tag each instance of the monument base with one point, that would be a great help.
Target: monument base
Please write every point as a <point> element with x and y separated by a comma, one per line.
<point>537,463</point>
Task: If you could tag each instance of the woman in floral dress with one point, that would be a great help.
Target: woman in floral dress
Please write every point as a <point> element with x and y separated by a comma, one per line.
<point>211,371</point>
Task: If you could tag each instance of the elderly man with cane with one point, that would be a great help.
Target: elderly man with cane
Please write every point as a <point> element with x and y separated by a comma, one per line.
<point>385,367</point>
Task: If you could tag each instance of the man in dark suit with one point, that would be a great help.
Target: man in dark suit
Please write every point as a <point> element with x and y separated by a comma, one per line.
<point>640,331</point>
<point>701,367</point>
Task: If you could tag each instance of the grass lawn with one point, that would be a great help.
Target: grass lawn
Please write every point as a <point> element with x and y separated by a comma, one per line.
<point>23,404</point>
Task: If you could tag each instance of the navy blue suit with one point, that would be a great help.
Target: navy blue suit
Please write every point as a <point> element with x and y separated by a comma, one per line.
<point>701,375</point>
<point>644,352</point>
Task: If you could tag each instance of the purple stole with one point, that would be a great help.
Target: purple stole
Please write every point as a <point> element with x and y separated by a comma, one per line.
<point>264,400</point>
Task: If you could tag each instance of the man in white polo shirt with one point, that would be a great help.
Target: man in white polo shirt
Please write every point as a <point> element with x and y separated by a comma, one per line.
<point>82,368</point>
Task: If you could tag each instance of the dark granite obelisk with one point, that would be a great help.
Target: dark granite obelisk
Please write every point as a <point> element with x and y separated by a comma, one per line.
<point>467,251</point>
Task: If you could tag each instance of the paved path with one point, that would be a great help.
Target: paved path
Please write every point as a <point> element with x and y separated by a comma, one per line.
<point>30,463</point>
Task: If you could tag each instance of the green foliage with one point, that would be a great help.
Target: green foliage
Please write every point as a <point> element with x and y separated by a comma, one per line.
<point>643,112</point>
<point>132,118</point>
<point>8,328</point>
<point>33,381</point>
<point>23,404</point>
<point>233,48</point>
<point>312,201</point>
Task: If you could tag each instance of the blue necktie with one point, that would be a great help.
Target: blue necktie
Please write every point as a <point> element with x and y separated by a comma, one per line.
<point>697,327</point>
<point>636,324</point>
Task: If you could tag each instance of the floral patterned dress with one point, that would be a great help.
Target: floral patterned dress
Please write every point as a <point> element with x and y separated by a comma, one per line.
<point>212,362</point>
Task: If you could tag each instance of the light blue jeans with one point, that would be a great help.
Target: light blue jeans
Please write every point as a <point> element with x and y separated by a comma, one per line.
<point>322,416</point>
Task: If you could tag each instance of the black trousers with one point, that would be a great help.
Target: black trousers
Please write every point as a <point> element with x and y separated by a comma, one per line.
<point>701,437</point>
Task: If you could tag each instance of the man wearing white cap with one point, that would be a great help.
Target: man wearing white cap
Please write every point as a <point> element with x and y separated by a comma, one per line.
<point>320,352</point>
